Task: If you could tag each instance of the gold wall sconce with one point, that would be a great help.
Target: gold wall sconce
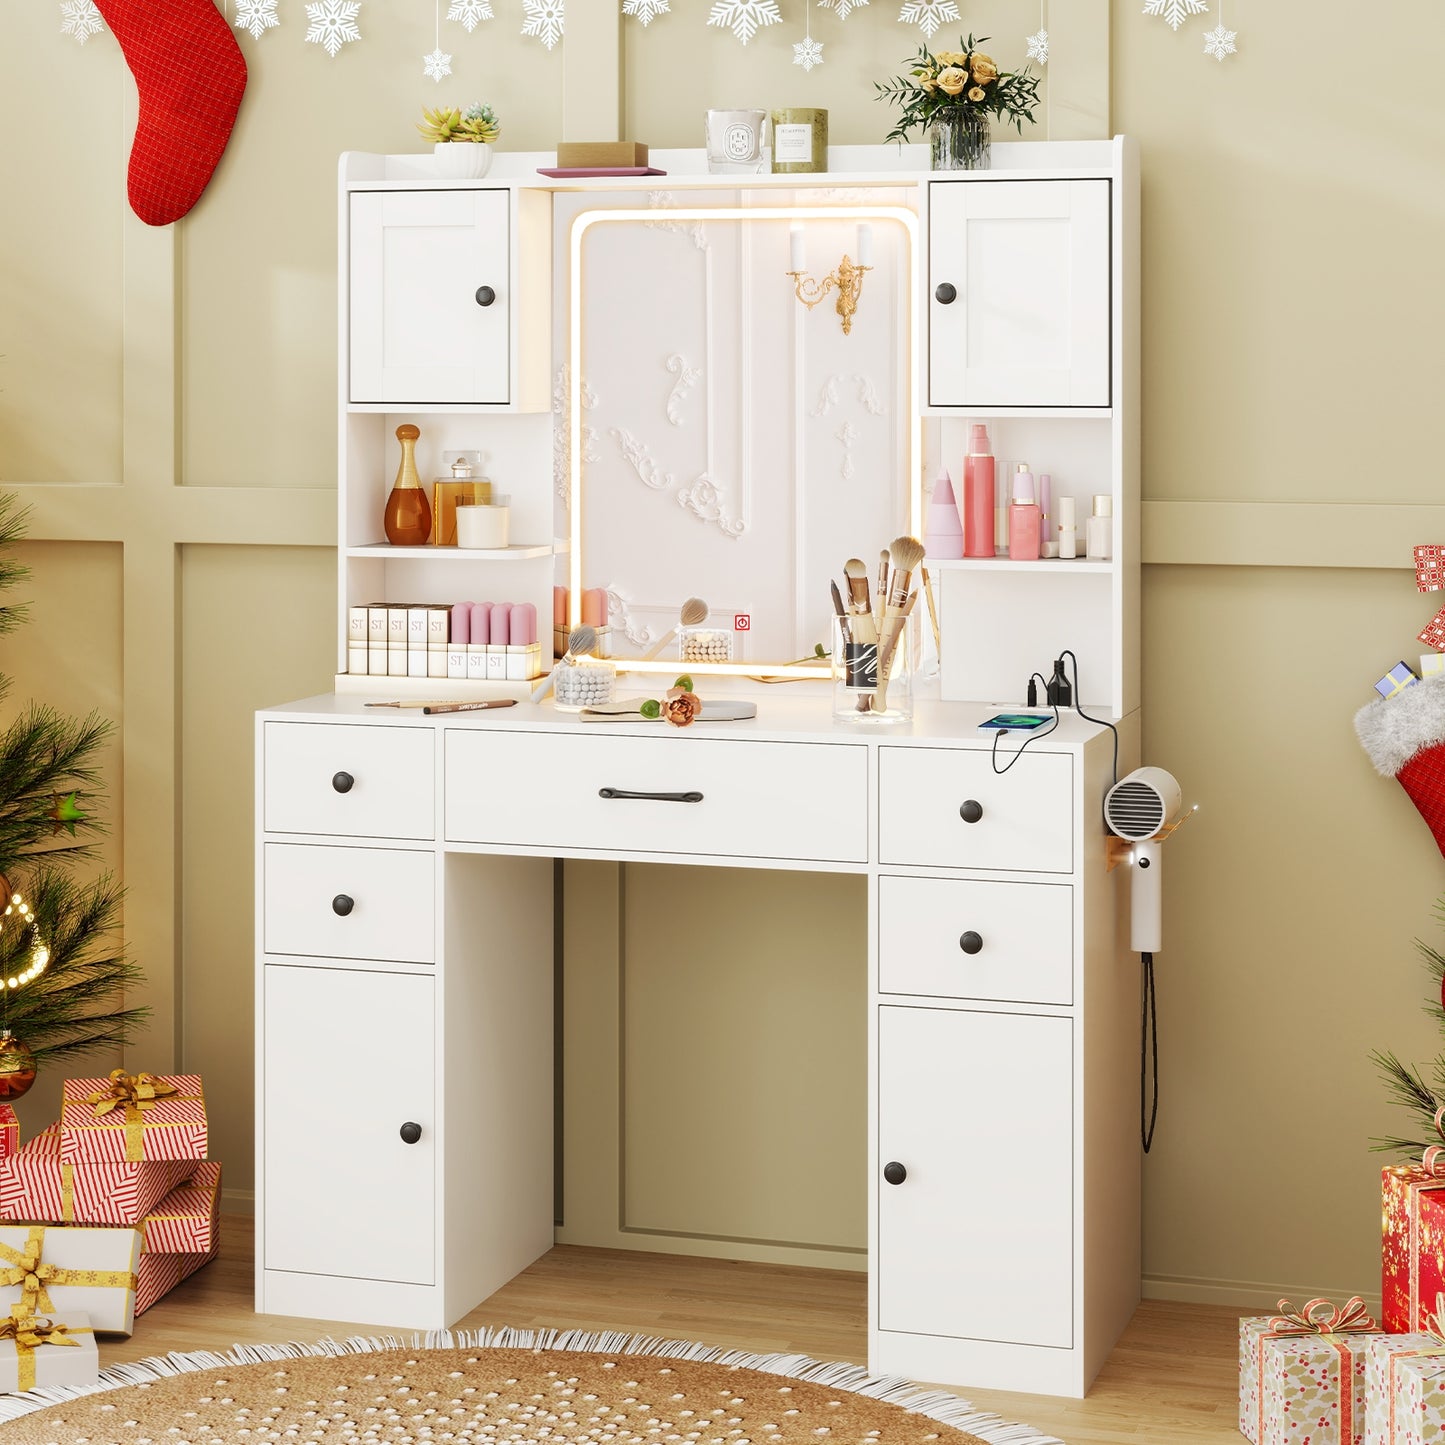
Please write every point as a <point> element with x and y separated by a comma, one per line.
<point>847,280</point>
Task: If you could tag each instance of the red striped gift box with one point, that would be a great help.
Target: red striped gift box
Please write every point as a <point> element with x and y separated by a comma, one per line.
<point>186,1220</point>
<point>172,1127</point>
<point>37,1187</point>
<point>159,1274</point>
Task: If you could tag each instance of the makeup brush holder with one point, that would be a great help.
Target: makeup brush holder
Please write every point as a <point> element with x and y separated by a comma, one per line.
<point>873,684</point>
<point>705,644</point>
<point>583,682</point>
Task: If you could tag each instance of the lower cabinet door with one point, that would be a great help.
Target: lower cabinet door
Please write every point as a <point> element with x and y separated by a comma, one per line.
<point>349,1059</point>
<point>975,1121</point>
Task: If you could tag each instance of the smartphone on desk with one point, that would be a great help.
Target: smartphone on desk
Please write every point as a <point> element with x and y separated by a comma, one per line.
<point>1014,722</point>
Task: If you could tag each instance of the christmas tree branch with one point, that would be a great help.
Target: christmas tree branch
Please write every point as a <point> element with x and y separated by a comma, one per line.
<point>12,529</point>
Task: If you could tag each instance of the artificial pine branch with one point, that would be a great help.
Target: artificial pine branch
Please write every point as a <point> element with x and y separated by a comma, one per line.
<point>1407,1089</point>
<point>12,529</point>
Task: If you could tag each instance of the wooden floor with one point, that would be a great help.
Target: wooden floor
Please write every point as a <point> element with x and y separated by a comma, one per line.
<point>1173,1377</point>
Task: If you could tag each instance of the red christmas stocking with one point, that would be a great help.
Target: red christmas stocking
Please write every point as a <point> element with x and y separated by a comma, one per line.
<point>1405,739</point>
<point>190,74</point>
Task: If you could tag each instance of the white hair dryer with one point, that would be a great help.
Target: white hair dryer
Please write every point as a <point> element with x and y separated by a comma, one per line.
<point>1143,809</point>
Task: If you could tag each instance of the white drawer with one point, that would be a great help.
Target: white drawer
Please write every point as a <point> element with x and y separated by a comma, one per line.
<point>753,800</point>
<point>1022,820</point>
<point>351,779</point>
<point>960,938</point>
<point>372,903</point>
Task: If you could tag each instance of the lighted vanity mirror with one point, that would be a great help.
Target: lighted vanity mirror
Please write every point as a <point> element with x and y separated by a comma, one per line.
<point>730,444</point>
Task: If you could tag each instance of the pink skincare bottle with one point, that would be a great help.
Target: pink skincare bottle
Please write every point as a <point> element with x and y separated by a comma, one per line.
<point>1025,522</point>
<point>978,494</point>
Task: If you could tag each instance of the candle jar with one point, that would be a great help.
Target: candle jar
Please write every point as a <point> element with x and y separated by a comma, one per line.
<point>872,680</point>
<point>484,524</point>
<point>580,682</point>
<point>800,140</point>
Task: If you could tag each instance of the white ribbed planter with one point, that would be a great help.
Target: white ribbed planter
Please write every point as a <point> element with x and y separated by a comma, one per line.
<point>462,160</point>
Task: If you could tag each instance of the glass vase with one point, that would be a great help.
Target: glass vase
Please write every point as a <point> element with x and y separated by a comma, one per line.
<point>959,139</point>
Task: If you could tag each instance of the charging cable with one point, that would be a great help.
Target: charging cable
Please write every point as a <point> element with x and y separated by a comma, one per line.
<point>1037,733</point>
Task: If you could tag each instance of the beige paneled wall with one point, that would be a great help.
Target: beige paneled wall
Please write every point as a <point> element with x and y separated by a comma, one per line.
<point>1292,317</point>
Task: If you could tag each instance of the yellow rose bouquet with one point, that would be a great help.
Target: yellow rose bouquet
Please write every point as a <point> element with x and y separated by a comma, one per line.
<point>962,83</point>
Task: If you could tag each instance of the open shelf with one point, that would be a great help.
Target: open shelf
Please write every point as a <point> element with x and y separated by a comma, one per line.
<point>523,552</point>
<point>1007,564</point>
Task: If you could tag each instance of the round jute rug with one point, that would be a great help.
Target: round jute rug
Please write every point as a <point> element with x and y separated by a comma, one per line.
<point>511,1386</point>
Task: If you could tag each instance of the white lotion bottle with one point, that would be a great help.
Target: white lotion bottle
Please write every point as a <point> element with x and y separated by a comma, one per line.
<point>1068,535</point>
<point>1100,536</point>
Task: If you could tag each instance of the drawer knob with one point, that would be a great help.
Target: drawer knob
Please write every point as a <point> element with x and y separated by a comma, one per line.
<point>946,293</point>
<point>341,905</point>
<point>971,942</point>
<point>895,1173</point>
<point>485,295</point>
<point>410,1133</point>
<point>971,811</point>
<point>342,782</point>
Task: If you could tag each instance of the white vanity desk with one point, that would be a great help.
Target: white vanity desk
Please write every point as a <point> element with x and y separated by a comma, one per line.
<point>406,896</point>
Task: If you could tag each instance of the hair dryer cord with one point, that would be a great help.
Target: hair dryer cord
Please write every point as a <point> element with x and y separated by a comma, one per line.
<point>1148,1043</point>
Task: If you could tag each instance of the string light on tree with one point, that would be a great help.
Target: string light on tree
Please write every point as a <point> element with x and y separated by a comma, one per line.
<point>1219,42</point>
<point>23,958</point>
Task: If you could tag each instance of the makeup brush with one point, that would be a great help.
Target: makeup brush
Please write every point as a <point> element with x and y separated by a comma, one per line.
<point>881,599</point>
<point>694,614</point>
<point>893,625</point>
<point>841,611</point>
<point>906,553</point>
<point>580,642</point>
<point>932,611</point>
<point>860,608</point>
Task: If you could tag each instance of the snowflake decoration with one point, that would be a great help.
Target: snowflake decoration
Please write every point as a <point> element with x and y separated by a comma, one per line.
<point>469,12</point>
<point>545,19</point>
<point>332,24</point>
<point>808,53</point>
<point>80,19</point>
<point>645,10</point>
<point>1175,12</point>
<point>928,15</point>
<point>1039,47</point>
<point>744,17</point>
<point>437,64</point>
<point>1219,42</point>
<point>257,16</point>
<point>841,6</point>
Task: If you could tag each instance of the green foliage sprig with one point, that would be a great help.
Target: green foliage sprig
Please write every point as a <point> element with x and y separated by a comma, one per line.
<point>1406,1086</point>
<point>953,80</point>
<point>477,124</point>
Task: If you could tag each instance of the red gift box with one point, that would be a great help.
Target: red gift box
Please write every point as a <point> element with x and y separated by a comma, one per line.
<point>186,1221</point>
<point>1412,1255</point>
<point>159,1274</point>
<point>1429,568</point>
<point>9,1132</point>
<point>37,1187</point>
<point>133,1117</point>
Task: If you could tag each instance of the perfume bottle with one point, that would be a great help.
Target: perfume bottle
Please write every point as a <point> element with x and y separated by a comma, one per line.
<point>407,518</point>
<point>978,493</point>
<point>1023,518</point>
<point>1099,535</point>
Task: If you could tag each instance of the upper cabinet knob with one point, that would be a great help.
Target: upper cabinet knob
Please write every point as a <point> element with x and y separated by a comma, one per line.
<point>946,293</point>
<point>410,1132</point>
<point>485,295</point>
<point>971,811</point>
<point>971,942</point>
<point>341,905</point>
<point>342,782</point>
<point>894,1172</point>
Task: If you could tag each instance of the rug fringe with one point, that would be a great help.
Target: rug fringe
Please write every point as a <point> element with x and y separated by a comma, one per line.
<point>939,1405</point>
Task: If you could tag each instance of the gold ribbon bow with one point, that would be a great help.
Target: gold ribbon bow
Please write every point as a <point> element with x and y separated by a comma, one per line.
<point>135,1093</point>
<point>1320,1317</point>
<point>30,1332</point>
<point>1432,1161</point>
<point>32,1274</point>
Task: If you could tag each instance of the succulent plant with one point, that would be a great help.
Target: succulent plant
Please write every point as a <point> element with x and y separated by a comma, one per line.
<point>477,123</point>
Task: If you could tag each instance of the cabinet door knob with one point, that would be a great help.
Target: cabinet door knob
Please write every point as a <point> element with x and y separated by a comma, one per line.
<point>342,782</point>
<point>946,293</point>
<point>895,1173</point>
<point>971,942</point>
<point>341,905</point>
<point>410,1133</point>
<point>971,811</point>
<point>485,295</point>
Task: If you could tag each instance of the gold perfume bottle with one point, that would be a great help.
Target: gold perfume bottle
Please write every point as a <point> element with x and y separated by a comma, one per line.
<point>407,519</point>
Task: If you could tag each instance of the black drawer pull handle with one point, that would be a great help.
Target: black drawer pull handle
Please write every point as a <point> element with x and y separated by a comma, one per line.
<point>485,295</point>
<point>971,942</point>
<point>341,905</point>
<point>946,293</point>
<point>410,1133</point>
<point>971,811</point>
<point>651,797</point>
<point>342,782</point>
<point>895,1173</point>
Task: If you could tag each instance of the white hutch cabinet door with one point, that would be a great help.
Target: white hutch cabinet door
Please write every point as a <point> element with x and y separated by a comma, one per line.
<point>429,296</point>
<point>977,1240</point>
<point>1018,305</point>
<point>345,1194</point>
